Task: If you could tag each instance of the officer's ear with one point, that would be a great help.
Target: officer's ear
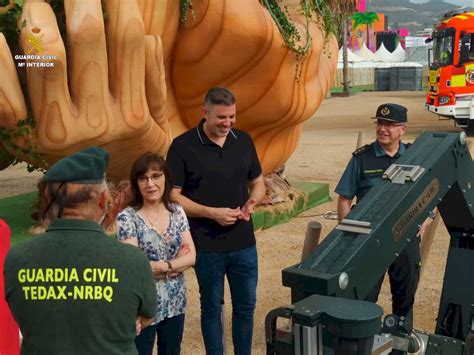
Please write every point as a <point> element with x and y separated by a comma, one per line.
<point>403,129</point>
<point>103,200</point>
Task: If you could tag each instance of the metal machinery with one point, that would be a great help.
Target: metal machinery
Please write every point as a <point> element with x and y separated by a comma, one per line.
<point>451,76</point>
<point>328,315</point>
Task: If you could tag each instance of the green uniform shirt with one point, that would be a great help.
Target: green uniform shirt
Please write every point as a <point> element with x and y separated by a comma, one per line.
<point>365,168</point>
<point>74,290</point>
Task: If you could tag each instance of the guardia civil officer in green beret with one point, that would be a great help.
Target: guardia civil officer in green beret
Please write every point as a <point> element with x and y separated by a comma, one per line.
<point>366,168</point>
<point>75,290</point>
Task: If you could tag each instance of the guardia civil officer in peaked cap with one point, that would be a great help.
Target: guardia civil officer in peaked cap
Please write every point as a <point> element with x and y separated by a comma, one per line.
<point>75,290</point>
<point>364,169</point>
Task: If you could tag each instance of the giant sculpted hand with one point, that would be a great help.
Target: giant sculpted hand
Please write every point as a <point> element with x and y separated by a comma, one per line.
<point>108,90</point>
<point>236,44</point>
<point>111,89</point>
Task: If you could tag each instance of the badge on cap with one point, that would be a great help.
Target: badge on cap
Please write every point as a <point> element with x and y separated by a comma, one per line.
<point>385,111</point>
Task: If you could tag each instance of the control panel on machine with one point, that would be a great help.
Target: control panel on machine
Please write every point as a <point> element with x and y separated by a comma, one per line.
<point>328,312</point>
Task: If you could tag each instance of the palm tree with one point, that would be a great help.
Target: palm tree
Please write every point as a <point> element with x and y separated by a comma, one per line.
<point>342,10</point>
<point>364,18</point>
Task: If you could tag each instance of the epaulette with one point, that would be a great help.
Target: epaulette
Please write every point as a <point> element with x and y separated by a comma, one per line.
<point>361,150</point>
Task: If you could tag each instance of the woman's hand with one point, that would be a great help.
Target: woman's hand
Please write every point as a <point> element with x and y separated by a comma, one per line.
<point>160,270</point>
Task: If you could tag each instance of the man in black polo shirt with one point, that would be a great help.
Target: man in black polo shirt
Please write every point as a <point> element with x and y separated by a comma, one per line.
<point>217,178</point>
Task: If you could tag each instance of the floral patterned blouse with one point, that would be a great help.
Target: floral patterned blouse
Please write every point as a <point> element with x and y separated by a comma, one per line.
<point>171,293</point>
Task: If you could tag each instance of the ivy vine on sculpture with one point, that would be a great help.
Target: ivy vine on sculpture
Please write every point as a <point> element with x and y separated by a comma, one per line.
<point>130,75</point>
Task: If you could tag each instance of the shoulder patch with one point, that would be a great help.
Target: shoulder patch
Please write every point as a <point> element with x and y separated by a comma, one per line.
<point>361,150</point>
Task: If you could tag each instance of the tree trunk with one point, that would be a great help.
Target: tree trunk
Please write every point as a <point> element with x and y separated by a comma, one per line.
<point>345,64</point>
<point>368,44</point>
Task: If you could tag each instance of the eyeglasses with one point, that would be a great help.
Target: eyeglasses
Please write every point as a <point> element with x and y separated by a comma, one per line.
<point>389,125</point>
<point>154,178</point>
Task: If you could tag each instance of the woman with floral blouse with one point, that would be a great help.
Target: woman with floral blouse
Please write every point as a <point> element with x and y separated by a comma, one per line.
<point>160,228</point>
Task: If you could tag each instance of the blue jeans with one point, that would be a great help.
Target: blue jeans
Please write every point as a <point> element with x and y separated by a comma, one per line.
<point>241,268</point>
<point>169,332</point>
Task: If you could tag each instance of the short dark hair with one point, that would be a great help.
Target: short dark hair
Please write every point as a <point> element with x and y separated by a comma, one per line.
<point>219,96</point>
<point>143,163</point>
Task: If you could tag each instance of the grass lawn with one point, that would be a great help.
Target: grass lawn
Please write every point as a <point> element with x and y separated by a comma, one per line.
<point>15,211</point>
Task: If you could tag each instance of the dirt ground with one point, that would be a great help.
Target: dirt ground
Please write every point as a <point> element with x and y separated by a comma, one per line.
<point>326,144</point>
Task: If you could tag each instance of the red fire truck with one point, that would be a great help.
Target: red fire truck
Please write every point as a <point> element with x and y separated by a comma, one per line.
<point>451,76</point>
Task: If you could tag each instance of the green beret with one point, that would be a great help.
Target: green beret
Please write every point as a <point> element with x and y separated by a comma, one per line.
<point>84,167</point>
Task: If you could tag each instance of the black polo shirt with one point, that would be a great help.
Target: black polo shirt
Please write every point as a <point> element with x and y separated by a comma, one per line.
<point>217,177</point>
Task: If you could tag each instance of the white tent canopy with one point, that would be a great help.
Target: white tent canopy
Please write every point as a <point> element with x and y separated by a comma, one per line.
<point>385,55</point>
<point>381,59</point>
<point>351,57</point>
<point>367,54</point>
<point>399,53</point>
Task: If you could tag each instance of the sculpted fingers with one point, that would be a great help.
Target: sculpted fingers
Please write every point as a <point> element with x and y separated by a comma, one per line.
<point>276,91</point>
<point>155,78</point>
<point>220,40</point>
<point>161,18</point>
<point>88,68</point>
<point>277,140</point>
<point>125,44</point>
<point>156,93</point>
<point>12,103</point>
<point>47,84</point>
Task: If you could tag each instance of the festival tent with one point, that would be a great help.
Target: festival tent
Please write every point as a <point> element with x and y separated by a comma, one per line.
<point>385,55</point>
<point>399,53</point>
<point>367,54</point>
<point>351,57</point>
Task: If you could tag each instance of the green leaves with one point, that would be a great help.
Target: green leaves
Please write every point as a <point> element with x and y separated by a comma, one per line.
<point>8,147</point>
<point>8,25</point>
<point>363,18</point>
<point>291,35</point>
<point>185,6</point>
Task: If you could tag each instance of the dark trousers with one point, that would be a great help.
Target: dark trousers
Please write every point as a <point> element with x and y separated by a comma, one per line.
<point>169,332</point>
<point>241,269</point>
<point>404,274</point>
